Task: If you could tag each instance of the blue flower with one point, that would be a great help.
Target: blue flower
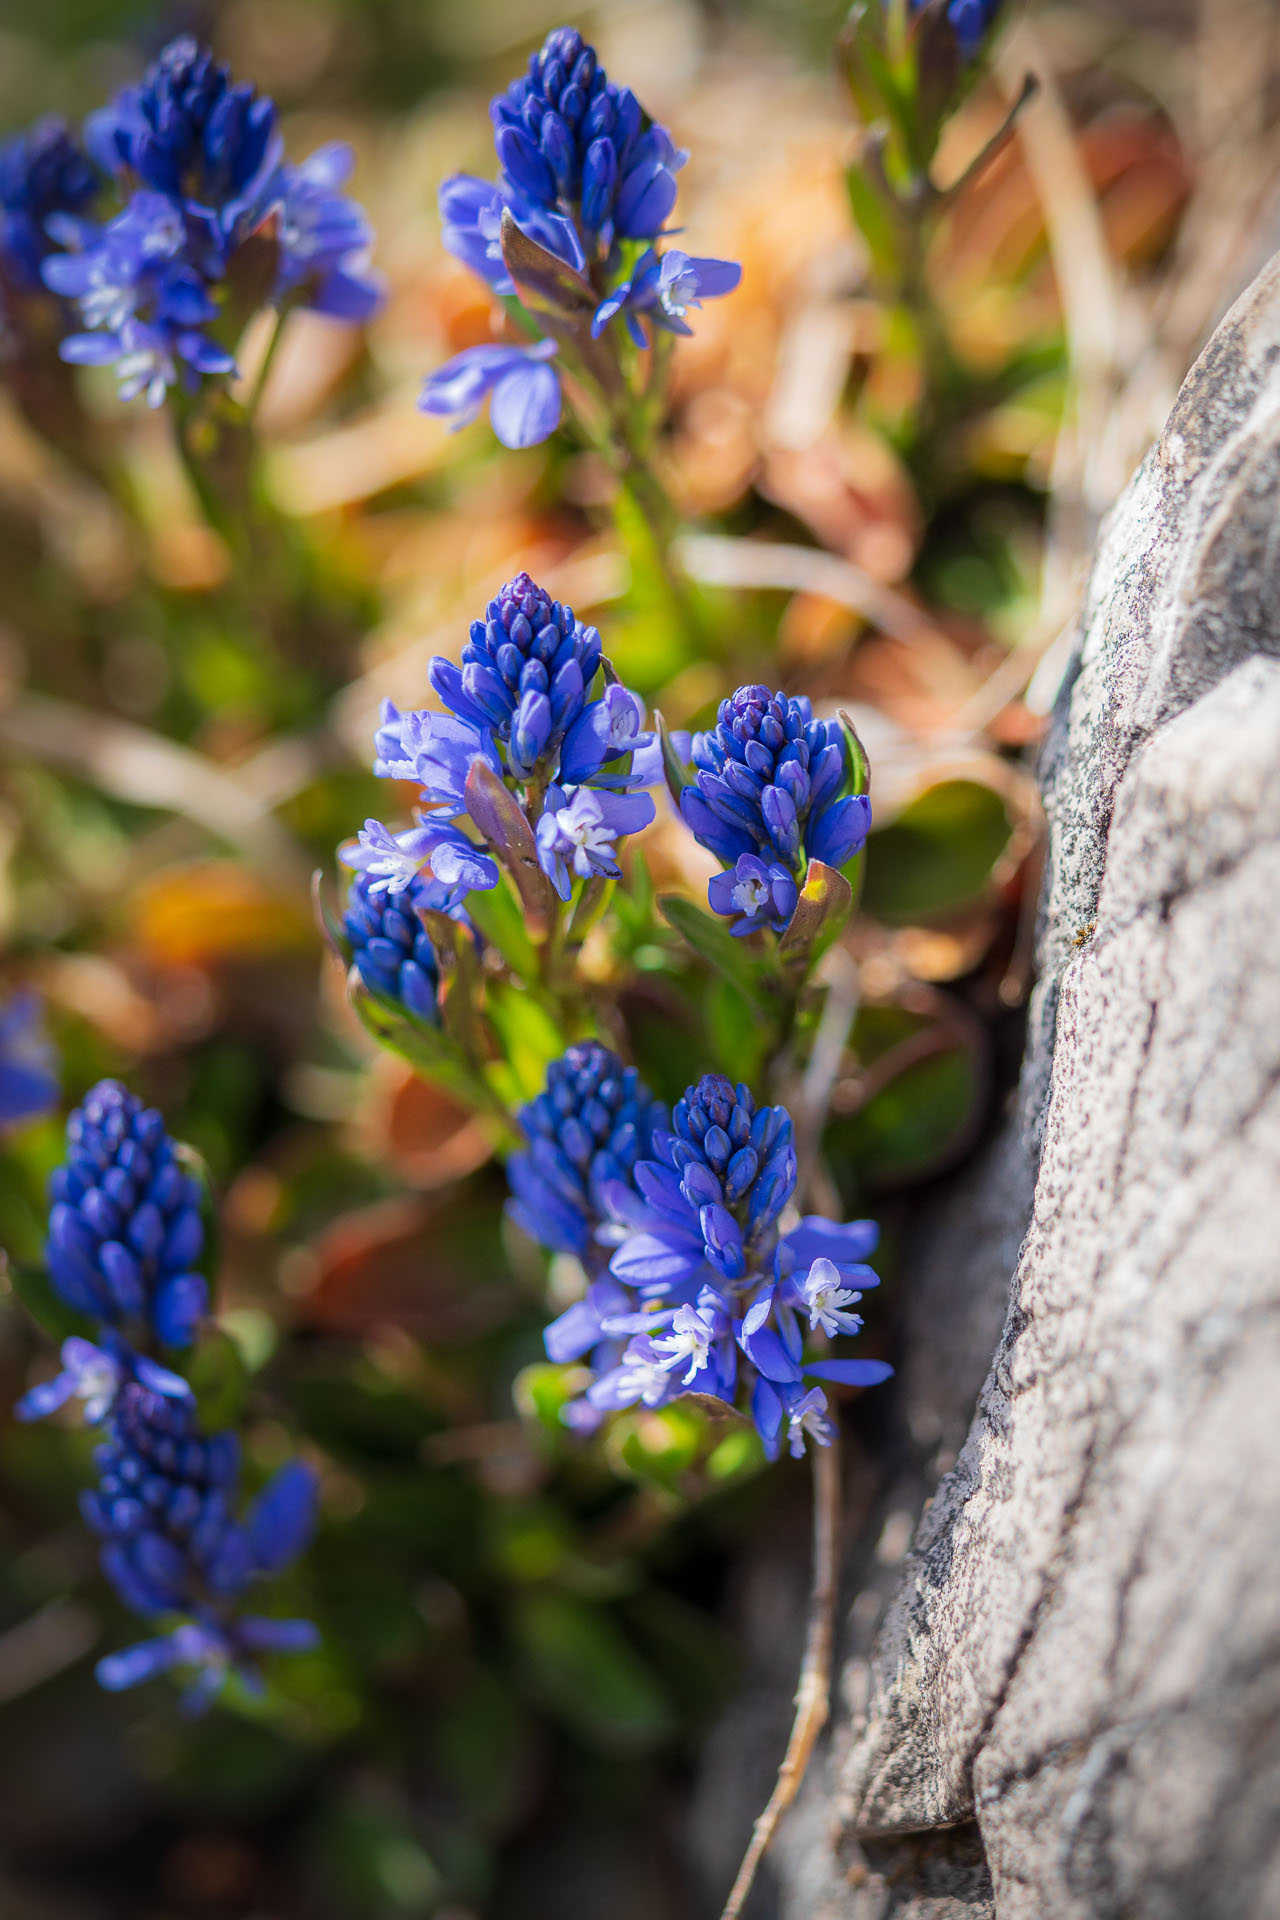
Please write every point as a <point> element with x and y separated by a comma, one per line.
<point>587,1128</point>
<point>569,140</point>
<point>43,173</point>
<point>525,672</point>
<point>390,947</point>
<point>434,748</point>
<point>642,1376</point>
<point>324,238</point>
<point>141,298</point>
<point>135,260</point>
<point>188,132</point>
<point>690,1339</point>
<point>664,287</point>
<point>518,716</point>
<point>125,1231</point>
<point>768,782</point>
<point>688,1349</point>
<point>826,1298</point>
<point>28,1065</point>
<point>610,730</point>
<point>149,360</point>
<point>583,172</point>
<point>713,1192</point>
<point>704,1293</point>
<point>523,391</point>
<point>579,829</point>
<point>213,1650</point>
<point>95,1374</point>
<point>393,861</point>
<point>518,701</point>
<point>761,893</point>
<point>200,161</point>
<point>164,1508</point>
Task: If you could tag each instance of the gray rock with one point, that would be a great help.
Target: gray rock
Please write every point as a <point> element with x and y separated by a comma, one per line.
<point>1070,1708</point>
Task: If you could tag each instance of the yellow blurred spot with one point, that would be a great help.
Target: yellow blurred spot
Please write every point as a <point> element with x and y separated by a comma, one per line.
<point>212,912</point>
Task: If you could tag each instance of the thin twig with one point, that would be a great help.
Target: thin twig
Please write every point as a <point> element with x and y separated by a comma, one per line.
<point>814,1690</point>
<point>814,1687</point>
<point>823,1070</point>
<point>996,145</point>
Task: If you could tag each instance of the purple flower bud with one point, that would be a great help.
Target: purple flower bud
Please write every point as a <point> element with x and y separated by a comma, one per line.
<point>526,169</point>
<point>599,179</point>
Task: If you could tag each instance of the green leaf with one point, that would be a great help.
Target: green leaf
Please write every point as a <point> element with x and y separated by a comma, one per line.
<point>857,778</point>
<point>530,1037</point>
<point>332,931</point>
<point>739,1452</point>
<point>873,76</point>
<point>938,853</point>
<point>499,917</point>
<point>455,950</point>
<point>913,1126</point>
<point>589,907</point>
<point>711,939</point>
<point>197,1167</point>
<point>660,1447</point>
<point>219,1378</point>
<point>678,774</point>
<point>428,1051</point>
<point>542,1390</point>
<point>255,1333</point>
<point>874,221</point>
<point>588,1675</point>
<point>740,1039</point>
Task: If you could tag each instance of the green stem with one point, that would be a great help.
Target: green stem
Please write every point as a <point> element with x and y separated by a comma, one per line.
<point>211,503</point>
<point>624,434</point>
<point>268,358</point>
<point>917,299</point>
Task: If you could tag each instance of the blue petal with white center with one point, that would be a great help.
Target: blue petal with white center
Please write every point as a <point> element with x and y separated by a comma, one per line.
<point>662,288</point>
<point>579,830</point>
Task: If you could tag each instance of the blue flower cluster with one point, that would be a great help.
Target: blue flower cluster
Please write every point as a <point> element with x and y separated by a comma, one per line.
<point>568,139</point>
<point>28,1077</point>
<point>518,706</point>
<point>590,179</point>
<point>768,796</point>
<point>586,1130</point>
<point>125,1239</point>
<point>164,1510</point>
<point>165,284</point>
<point>124,1235</point>
<point>390,947</point>
<point>125,1232</point>
<point>704,1292</point>
<point>43,173</point>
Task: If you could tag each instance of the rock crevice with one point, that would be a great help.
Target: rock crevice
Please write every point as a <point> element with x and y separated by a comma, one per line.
<point>1070,1703</point>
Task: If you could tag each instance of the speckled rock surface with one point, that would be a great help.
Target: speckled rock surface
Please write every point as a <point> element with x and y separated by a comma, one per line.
<point>1064,1699</point>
